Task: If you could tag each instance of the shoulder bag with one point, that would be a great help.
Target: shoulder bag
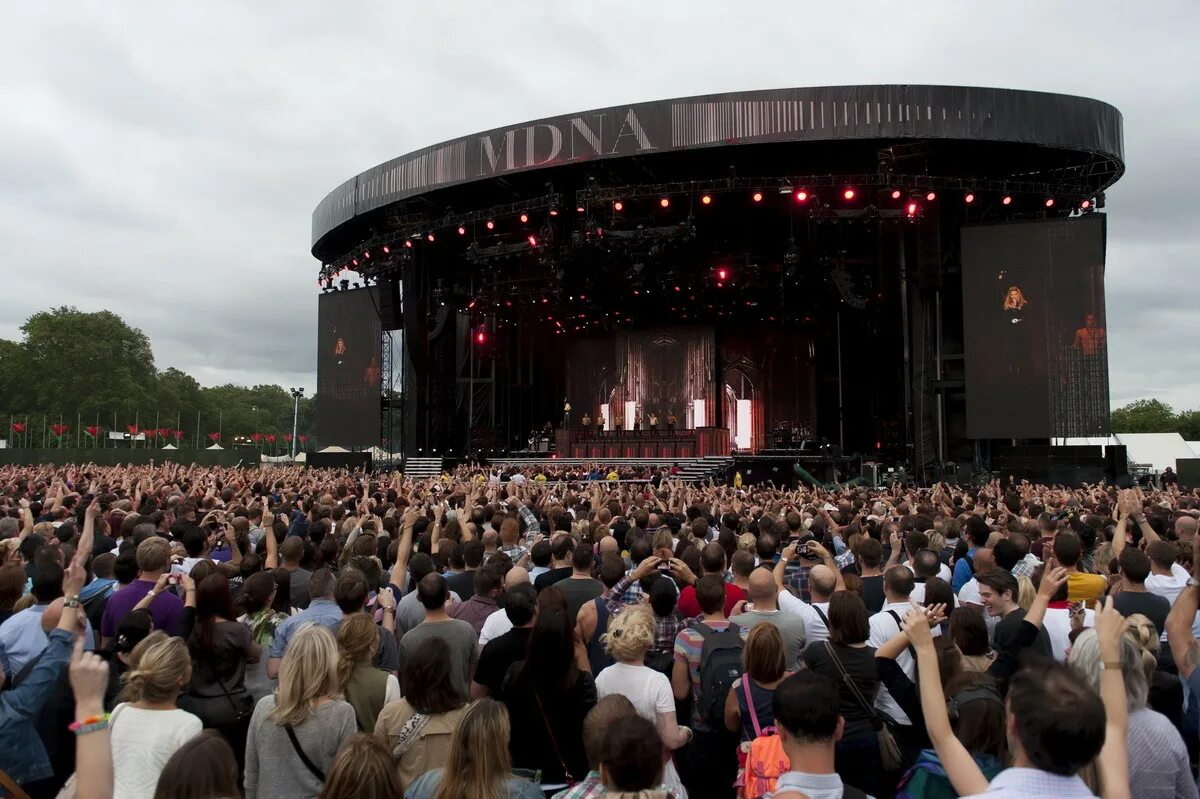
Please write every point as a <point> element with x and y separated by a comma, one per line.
<point>889,750</point>
<point>308,764</point>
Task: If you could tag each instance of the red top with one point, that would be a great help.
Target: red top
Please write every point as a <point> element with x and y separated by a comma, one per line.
<point>689,607</point>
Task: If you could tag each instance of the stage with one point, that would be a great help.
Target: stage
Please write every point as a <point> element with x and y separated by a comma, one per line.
<point>787,260</point>
<point>647,444</point>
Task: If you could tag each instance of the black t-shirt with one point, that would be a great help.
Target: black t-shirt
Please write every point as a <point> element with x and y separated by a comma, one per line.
<point>547,579</point>
<point>462,584</point>
<point>1152,606</point>
<point>859,663</point>
<point>873,593</point>
<point>498,655</point>
<point>1006,630</point>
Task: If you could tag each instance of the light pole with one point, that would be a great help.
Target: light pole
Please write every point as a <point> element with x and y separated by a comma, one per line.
<point>297,393</point>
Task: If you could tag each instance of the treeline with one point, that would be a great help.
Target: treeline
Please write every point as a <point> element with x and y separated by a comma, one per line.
<point>74,376</point>
<point>1154,416</point>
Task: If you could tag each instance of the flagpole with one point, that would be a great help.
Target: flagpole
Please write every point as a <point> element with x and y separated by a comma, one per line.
<point>197,429</point>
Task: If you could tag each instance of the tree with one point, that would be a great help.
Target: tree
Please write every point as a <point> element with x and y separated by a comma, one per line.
<point>1188,424</point>
<point>85,362</point>
<point>1144,416</point>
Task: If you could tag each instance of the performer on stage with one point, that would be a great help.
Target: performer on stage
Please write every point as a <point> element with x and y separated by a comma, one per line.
<point>566,414</point>
<point>618,422</point>
<point>671,422</point>
<point>653,422</point>
<point>586,421</point>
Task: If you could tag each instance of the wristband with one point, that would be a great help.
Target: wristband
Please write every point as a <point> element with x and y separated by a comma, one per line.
<point>88,724</point>
<point>1110,665</point>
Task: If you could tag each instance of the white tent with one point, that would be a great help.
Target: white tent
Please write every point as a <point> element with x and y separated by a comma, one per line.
<point>170,446</point>
<point>215,446</point>
<point>1195,445</point>
<point>334,449</point>
<point>1156,450</point>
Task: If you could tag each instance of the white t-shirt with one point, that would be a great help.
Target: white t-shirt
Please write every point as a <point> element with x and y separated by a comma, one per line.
<point>142,741</point>
<point>647,689</point>
<point>1057,624</point>
<point>883,627</point>
<point>814,628</point>
<point>494,626</point>
<point>1169,587</point>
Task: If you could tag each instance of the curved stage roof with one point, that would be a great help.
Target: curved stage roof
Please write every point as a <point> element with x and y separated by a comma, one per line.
<point>1087,134</point>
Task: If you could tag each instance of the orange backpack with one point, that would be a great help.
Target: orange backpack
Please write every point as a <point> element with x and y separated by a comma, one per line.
<point>764,759</point>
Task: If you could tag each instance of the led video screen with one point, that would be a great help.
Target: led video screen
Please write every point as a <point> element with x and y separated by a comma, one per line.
<point>348,369</point>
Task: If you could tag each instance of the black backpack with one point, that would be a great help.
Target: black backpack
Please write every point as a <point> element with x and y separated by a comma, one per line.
<point>720,665</point>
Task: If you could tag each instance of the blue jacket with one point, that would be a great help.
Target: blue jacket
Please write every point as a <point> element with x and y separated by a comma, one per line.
<point>21,752</point>
<point>963,571</point>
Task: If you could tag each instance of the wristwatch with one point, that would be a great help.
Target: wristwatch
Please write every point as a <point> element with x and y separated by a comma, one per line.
<point>71,602</point>
<point>1192,582</point>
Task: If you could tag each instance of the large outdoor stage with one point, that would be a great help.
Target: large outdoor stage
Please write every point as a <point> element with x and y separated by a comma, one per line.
<point>901,272</point>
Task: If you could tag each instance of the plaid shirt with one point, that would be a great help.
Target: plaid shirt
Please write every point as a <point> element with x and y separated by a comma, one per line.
<point>667,629</point>
<point>590,787</point>
<point>795,575</point>
<point>1026,566</point>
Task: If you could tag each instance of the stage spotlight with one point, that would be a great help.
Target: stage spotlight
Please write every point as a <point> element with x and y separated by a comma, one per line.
<point>1049,202</point>
<point>354,262</point>
<point>757,196</point>
<point>1007,200</point>
<point>524,218</point>
<point>896,194</point>
<point>553,212</point>
<point>462,231</point>
<point>678,289</point>
<point>408,243</point>
<point>532,241</point>
<point>491,225</point>
<point>802,196</point>
<point>579,209</point>
<point>706,199</point>
<point>970,198</point>
<point>912,209</point>
<point>722,274</point>
<point>386,250</point>
<point>930,197</point>
<point>480,337</point>
<point>618,206</point>
<point>665,202</point>
<point>848,194</point>
<point>429,237</point>
<point>1086,204</point>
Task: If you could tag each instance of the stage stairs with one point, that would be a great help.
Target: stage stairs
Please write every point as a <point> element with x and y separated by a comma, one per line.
<point>422,468</point>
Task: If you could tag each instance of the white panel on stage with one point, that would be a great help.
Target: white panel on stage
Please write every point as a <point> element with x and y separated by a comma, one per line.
<point>743,425</point>
<point>605,419</point>
<point>698,415</point>
<point>630,414</point>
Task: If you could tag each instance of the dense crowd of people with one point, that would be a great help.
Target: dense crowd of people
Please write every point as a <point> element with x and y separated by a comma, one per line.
<point>176,631</point>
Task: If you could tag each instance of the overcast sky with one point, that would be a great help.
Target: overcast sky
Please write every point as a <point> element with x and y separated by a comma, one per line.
<point>162,160</point>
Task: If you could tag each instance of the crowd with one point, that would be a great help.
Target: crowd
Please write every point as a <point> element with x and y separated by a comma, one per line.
<point>175,631</point>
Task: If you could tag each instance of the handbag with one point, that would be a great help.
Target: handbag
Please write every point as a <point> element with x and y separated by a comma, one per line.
<point>409,733</point>
<point>889,751</point>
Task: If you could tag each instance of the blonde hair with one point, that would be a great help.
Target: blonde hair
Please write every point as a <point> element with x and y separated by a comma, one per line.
<point>937,541</point>
<point>1026,593</point>
<point>309,672</point>
<point>630,633</point>
<point>479,763</point>
<point>159,667</point>
<point>1142,632</point>
<point>357,642</point>
<point>1017,304</point>
<point>746,542</point>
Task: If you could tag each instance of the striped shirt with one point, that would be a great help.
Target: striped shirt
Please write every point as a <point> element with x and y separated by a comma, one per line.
<point>688,645</point>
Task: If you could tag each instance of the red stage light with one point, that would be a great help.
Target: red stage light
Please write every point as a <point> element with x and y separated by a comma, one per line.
<point>1085,204</point>
<point>1007,200</point>
<point>757,196</point>
<point>912,209</point>
<point>579,209</point>
<point>930,196</point>
<point>970,198</point>
<point>354,262</point>
<point>848,194</point>
<point>470,305</point>
<point>532,241</point>
<point>462,231</point>
<point>678,289</point>
<point>429,237</point>
<point>367,254</point>
<point>491,225</point>
<point>408,244</point>
<point>524,218</point>
<point>1049,202</point>
<point>553,212</point>
<point>386,250</point>
<point>480,337</point>
<point>722,274</point>
<point>895,194</point>
<point>664,202</point>
<point>706,199</point>
<point>618,206</point>
<point>801,196</point>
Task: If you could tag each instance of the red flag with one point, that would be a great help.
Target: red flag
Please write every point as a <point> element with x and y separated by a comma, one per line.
<point>271,437</point>
<point>303,439</point>
<point>256,437</point>
<point>132,428</point>
<point>178,435</point>
<point>59,429</point>
<point>287,437</point>
<point>18,427</point>
<point>92,430</point>
<point>164,432</point>
<point>214,437</point>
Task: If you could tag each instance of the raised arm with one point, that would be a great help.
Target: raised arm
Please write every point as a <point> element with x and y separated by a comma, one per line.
<point>1114,756</point>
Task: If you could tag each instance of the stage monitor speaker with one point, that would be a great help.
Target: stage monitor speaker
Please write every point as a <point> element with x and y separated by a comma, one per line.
<point>1188,470</point>
<point>389,304</point>
<point>1116,461</point>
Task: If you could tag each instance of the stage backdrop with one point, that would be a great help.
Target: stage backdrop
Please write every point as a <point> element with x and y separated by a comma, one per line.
<point>1034,329</point>
<point>348,374</point>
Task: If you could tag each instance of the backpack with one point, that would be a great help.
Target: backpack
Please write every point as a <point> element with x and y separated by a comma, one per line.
<point>764,758</point>
<point>720,665</point>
